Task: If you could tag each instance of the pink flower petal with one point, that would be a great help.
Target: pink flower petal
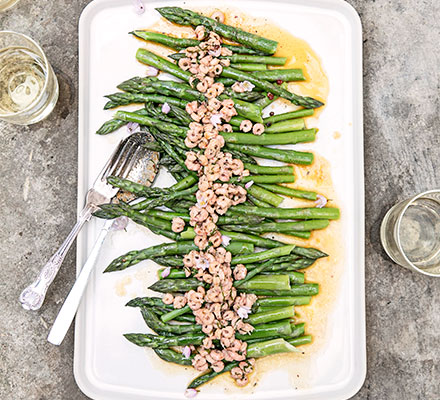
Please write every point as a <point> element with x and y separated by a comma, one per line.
<point>165,272</point>
<point>247,86</point>
<point>215,53</point>
<point>215,119</point>
<point>120,223</point>
<point>186,352</point>
<point>243,312</point>
<point>132,127</point>
<point>138,7</point>
<point>202,263</point>
<point>249,184</point>
<point>152,71</point>
<point>166,108</point>
<point>321,202</point>
<point>225,240</point>
<point>190,393</point>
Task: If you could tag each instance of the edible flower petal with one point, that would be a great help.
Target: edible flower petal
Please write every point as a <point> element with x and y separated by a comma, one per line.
<point>321,202</point>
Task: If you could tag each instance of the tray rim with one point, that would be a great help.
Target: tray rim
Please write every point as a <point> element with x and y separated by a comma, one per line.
<point>354,382</point>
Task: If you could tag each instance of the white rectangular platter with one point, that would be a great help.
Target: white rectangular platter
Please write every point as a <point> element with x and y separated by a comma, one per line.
<point>109,367</point>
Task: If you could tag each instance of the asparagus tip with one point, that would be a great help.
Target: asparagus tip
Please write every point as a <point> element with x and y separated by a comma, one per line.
<point>131,303</point>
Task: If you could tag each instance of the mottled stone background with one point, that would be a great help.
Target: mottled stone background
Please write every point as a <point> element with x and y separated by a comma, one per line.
<point>402,155</point>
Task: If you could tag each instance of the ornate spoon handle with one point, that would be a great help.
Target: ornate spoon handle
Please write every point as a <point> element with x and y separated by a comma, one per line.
<point>33,296</point>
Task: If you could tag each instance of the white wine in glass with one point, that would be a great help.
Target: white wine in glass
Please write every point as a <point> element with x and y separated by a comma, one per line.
<point>28,85</point>
<point>6,4</point>
<point>410,233</point>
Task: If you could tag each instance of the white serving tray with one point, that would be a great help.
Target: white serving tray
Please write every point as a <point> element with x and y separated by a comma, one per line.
<point>107,366</point>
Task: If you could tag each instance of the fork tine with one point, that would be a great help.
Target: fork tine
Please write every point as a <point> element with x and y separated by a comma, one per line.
<point>127,146</point>
<point>116,157</point>
<point>126,155</point>
<point>126,169</point>
<point>104,172</point>
<point>133,156</point>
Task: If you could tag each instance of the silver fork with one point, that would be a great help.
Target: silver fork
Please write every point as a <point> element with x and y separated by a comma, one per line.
<point>119,164</point>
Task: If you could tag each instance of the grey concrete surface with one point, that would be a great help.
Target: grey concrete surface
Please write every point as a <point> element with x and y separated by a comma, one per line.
<point>402,157</point>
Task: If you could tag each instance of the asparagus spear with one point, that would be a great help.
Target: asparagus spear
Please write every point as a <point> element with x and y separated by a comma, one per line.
<point>183,43</point>
<point>224,219</point>
<point>168,88</point>
<point>288,125</point>
<point>150,302</point>
<point>123,98</point>
<point>173,356</point>
<point>273,329</point>
<point>265,179</point>
<point>170,261</point>
<point>136,188</point>
<point>114,124</point>
<point>247,110</point>
<point>152,122</point>
<point>168,215</point>
<point>185,183</point>
<point>290,213</point>
<point>245,96</point>
<point>270,139</point>
<point>306,102</point>
<point>288,115</point>
<point>188,318</point>
<point>154,323</point>
<point>294,276</point>
<point>285,75</point>
<point>266,282</point>
<point>250,67</point>
<point>266,100</point>
<point>188,17</point>
<point>252,200</point>
<point>157,201</point>
<point>210,375</point>
<point>173,274</point>
<point>275,346</point>
<point>287,156</point>
<point>156,341</point>
<point>305,289</point>
<point>271,60</point>
<point>136,256</point>
<point>284,227</point>
<point>255,271</point>
<point>291,266</point>
<point>240,228</point>
<point>296,331</point>
<point>155,110</point>
<point>264,170</point>
<point>283,301</point>
<point>256,192</point>
<point>174,43</point>
<point>254,239</point>
<point>275,314</point>
<point>299,341</point>
<point>176,285</point>
<point>302,194</point>
<point>175,313</point>
<point>263,255</point>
